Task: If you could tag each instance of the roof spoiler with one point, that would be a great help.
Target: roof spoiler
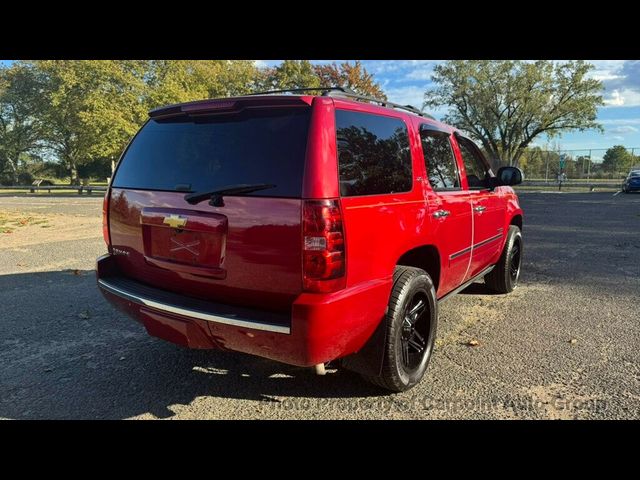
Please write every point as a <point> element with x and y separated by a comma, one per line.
<point>226,105</point>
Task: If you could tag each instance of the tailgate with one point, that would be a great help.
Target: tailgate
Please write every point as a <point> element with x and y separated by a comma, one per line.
<point>247,252</point>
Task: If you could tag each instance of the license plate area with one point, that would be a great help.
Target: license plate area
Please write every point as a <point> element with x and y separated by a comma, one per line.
<point>185,241</point>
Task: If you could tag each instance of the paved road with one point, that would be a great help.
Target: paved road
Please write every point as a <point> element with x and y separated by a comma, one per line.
<point>67,354</point>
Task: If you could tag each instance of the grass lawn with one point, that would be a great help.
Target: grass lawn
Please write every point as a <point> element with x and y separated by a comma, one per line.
<point>45,193</point>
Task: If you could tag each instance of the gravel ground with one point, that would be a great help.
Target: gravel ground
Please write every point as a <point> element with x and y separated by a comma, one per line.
<point>563,345</point>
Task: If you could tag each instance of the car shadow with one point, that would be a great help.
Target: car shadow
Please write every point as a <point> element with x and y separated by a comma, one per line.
<point>478,288</point>
<point>68,354</point>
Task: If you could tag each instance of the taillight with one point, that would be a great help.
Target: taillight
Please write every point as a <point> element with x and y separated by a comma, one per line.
<point>105,219</point>
<point>323,246</point>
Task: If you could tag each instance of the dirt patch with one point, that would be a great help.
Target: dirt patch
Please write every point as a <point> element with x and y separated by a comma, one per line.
<point>10,221</point>
<point>20,229</point>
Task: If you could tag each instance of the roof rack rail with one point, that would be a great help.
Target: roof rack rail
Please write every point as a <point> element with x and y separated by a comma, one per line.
<point>347,92</point>
<point>384,103</point>
<point>324,90</point>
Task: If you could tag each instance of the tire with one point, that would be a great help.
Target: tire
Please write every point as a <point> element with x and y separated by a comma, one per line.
<point>504,277</point>
<point>409,337</point>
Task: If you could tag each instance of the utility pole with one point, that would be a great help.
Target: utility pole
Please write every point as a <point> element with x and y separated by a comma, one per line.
<point>546,175</point>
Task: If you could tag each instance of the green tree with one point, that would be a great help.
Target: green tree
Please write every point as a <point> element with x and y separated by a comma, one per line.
<point>291,74</point>
<point>617,160</point>
<point>350,75</point>
<point>89,108</point>
<point>82,113</point>
<point>584,164</point>
<point>20,126</point>
<point>174,81</point>
<point>507,104</point>
<point>113,111</point>
<point>533,163</point>
<point>570,167</point>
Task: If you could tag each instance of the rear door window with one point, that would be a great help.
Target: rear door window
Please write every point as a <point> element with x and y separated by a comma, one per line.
<point>440,161</point>
<point>478,171</point>
<point>191,153</point>
<point>373,154</point>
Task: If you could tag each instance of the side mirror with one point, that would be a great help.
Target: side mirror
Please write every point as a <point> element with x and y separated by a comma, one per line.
<point>509,176</point>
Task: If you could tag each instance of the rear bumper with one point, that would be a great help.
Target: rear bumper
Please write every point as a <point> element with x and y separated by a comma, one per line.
<point>319,328</point>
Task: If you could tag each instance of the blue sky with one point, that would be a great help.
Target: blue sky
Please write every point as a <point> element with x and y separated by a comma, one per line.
<point>405,82</point>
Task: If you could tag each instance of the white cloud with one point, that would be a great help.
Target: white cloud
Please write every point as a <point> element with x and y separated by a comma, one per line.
<point>627,97</point>
<point>604,76</point>
<point>401,67</point>
<point>260,63</point>
<point>420,73</point>
<point>615,99</point>
<point>622,129</point>
<point>583,146</point>
<point>620,121</point>
<point>409,95</point>
<point>607,69</point>
<point>621,79</point>
<point>381,67</point>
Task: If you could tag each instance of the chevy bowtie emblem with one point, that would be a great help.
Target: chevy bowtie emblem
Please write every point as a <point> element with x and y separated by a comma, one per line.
<point>175,221</point>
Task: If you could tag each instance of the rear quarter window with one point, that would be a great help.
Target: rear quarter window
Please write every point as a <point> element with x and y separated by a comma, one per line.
<point>373,154</point>
<point>191,153</point>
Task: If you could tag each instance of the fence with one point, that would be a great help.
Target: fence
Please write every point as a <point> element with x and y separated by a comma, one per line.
<point>88,189</point>
<point>591,165</point>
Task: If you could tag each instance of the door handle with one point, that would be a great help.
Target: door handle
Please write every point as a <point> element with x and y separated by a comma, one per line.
<point>479,209</point>
<point>441,213</point>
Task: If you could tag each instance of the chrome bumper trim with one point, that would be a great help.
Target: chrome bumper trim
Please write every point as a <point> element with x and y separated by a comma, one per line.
<point>209,317</point>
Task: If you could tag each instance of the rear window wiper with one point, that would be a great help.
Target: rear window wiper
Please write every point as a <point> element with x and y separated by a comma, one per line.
<point>216,195</point>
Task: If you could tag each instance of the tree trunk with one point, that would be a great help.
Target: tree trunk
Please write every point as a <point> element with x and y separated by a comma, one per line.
<point>14,171</point>
<point>73,173</point>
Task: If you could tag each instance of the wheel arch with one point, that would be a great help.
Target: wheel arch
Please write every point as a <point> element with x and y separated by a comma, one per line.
<point>517,221</point>
<point>426,257</point>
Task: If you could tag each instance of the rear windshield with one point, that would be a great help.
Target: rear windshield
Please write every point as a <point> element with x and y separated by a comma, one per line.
<point>203,153</point>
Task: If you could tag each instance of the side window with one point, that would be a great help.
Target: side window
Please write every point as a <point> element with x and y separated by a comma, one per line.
<point>439,160</point>
<point>373,154</point>
<point>476,168</point>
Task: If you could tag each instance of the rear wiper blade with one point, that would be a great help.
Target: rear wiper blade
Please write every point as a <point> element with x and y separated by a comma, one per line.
<point>216,195</point>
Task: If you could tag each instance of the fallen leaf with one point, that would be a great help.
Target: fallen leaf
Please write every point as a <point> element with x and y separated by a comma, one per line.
<point>473,343</point>
<point>83,315</point>
<point>573,340</point>
<point>77,272</point>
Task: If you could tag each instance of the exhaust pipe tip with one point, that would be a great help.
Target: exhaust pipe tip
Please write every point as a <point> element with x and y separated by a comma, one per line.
<point>320,370</point>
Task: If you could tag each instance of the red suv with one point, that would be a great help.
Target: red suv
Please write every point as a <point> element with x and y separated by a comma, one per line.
<point>305,229</point>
